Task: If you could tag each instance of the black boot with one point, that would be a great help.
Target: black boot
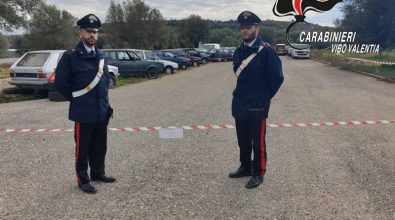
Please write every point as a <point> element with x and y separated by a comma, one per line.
<point>242,171</point>
<point>254,182</point>
<point>103,178</point>
<point>88,188</point>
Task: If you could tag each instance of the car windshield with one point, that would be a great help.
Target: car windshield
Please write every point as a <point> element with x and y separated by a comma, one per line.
<point>280,47</point>
<point>34,60</point>
<point>150,55</point>
<point>301,46</point>
<point>140,54</point>
<point>156,57</point>
<point>168,54</point>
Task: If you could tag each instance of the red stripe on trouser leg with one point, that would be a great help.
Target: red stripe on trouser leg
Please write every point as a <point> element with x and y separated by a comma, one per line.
<point>263,148</point>
<point>77,146</point>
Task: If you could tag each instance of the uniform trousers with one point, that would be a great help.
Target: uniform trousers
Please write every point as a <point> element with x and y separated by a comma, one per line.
<point>251,137</point>
<point>91,148</point>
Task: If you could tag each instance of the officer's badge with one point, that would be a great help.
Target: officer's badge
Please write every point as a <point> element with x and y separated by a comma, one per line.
<point>246,15</point>
<point>92,19</point>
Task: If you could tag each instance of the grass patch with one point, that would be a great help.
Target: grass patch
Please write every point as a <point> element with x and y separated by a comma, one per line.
<point>385,56</point>
<point>122,80</point>
<point>4,71</point>
<point>37,94</point>
<point>387,71</point>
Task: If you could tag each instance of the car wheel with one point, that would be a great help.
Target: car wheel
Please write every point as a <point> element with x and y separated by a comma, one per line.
<point>204,60</point>
<point>113,81</point>
<point>54,96</point>
<point>152,73</point>
<point>169,70</point>
<point>195,63</point>
<point>183,66</point>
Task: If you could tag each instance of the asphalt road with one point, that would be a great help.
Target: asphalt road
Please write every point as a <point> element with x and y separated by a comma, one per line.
<point>332,172</point>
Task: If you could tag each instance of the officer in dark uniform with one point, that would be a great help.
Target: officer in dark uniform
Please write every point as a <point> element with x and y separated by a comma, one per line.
<point>78,80</point>
<point>258,81</point>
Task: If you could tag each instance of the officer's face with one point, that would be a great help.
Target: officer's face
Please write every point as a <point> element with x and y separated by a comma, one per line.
<point>88,37</point>
<point>249,33</point>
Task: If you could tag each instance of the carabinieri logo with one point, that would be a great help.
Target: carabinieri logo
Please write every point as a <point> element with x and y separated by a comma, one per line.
<point>298,8</point>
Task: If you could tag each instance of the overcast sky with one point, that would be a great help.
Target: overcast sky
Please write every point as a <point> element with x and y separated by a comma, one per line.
<point>214,10</point>
<point>179,9</point>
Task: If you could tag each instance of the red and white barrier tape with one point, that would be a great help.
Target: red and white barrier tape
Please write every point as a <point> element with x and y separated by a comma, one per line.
<point>207,127</point>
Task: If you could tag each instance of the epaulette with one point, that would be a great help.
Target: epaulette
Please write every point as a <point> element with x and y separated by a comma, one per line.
<point>73,51</point>
<point>265,45</point>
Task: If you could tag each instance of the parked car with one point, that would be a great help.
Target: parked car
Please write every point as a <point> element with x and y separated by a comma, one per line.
<point>193,52</point>
<point>196,61</point>
<point>202,50</point>
<point>303,52</point>
<point>169,67</point>
<point>182,62</point>
<point>130,64</point>
<point>280,49</point>
<point>231,49</point>
<point>35,68</point>
<point>221,55</point>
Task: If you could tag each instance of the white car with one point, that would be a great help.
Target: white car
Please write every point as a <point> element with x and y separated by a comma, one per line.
<point>36,70</point>
<point>169,67</point>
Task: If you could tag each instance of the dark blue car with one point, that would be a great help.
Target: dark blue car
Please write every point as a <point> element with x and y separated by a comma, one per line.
<point>129,64</point>
<point>221,55</point>
<point>182,62</point>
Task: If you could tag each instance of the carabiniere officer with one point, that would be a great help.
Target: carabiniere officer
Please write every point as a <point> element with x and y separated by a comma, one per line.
<point>82,78</point>
<point>260,76</point>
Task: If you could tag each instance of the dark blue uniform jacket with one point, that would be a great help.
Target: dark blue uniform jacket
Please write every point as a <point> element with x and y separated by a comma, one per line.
<point>75,71</point>
<point>258,82</point>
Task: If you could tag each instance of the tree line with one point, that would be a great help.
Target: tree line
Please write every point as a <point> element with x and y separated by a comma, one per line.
<point>133,24</point>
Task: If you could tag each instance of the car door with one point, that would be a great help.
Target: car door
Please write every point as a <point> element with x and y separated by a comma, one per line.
<point>139,65</point>
<point>111,58</point>
<point>127,66</point>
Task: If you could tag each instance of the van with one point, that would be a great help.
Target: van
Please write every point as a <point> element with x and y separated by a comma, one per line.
<point>302,52</point>
<point>211,46</point>
<point>280,49</point>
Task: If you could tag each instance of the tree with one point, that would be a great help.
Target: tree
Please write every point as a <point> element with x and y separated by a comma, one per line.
<point>192,30</point>
<point>3,45</point>
<point>134,24</point>
<point>51,29</point>
<point>229,41</point>
<point>217,35</point>
<point>13,12</point>
<point>374,21</point>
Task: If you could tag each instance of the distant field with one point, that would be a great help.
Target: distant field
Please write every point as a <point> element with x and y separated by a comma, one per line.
<point>387,71</point>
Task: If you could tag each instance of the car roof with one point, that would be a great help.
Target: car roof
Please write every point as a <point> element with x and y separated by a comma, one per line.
<point>116,49</point>
<point>141,50</point>
<point>46,51</point>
